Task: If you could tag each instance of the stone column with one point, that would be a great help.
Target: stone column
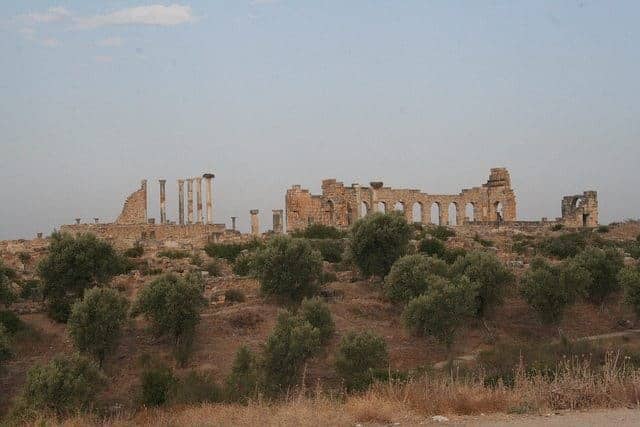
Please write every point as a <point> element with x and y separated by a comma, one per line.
<point>208,177</point>
<point>96,220</point>
<point>233,223</point>
<point>143,185</point>
<point>163,207</point>
<point>255,222</point>
<point>181,201</point>
<point>77,221</point>
<point>277,221</point>
<point>198,200</point>
<point>190,200</point>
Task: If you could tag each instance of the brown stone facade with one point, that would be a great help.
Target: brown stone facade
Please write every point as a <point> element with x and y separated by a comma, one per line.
<point>340,206</point>
<point>134,210</point>
<point>580,210</point>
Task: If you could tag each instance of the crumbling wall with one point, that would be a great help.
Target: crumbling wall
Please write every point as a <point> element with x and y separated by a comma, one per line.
<point>580,210</point>
<point>134,210</point>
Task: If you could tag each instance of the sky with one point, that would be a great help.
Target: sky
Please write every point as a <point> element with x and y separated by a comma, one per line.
<point>97,95</point>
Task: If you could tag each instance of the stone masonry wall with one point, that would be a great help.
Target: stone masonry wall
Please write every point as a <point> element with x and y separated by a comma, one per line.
<point>134,210</point>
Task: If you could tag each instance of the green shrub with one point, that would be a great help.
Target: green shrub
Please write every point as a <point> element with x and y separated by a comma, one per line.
<point>328,277</point>
<point>330,249</point>
<point>135,251</point>
<point>603,266</point>
<point>484,242</point>
<point>197,387</point>
<point>563,246</point>
<point>288,268</point>
<point>440,232</point>
<point>557,227</point>
<point>242,381</point>
<point>31,290</point>
<point>7,296</point>
<point>244,264</point>
<point>65,385</point>
<point>230,251</point>
<point>214,268</point>
<point>11,322</point>
<point>491,276</point>
<point>602,229</point>
<point>442,309</point>
<point>317,313</point>
<point>5,345</point>
<point>172,305</point>
<point>96,322</point>
<point>196,259</point>
<point>452,254</point>
<point>432,247</point>
<point>291,343</point>
<point>629,279</point>
<point>234,295</point>
<point>24,257</point>
<point>158,385</point>
<point>377,241</point>
<point>412,275</point>
<point>173,254</point>
<point>633,249</point>
<point>520,247</point>
<point>73,265</point>
<point>319,231</point>
<point>359,356</point>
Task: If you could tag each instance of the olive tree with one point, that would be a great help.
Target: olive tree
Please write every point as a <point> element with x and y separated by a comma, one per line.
<point>412,275</point>
<point>629,279</point>
<point>359,355</point>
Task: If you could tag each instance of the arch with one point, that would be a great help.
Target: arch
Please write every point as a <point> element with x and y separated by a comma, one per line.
<point>381,207</point>
<point>469,209</point>
<point>331,211</point>
<point>497,208</point>
<point>435,213</point>
<point>364,209</point>
<point>416,211</point>
<point>453,213</point>
<point>398,206</point>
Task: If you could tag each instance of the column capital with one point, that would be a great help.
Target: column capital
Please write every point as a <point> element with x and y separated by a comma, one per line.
<point>208,175</point>
<point>254,211</point>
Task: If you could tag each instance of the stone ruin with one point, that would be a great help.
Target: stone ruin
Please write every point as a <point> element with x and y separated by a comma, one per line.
<point>492,204</point>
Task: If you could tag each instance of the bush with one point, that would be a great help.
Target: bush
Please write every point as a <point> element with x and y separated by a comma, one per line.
<point>602,229</point>
<point>173,254</point>
<point>73,265</point>
<point>550,290</point>
<point>603,267</point>
<point>230,251</point>
<point>377,241</point>
<point>197,388</point>
<point>441,232</point>
<point>330,249</point>
<point>158,385</point>
<point>135,251</point>
<point>172,304</point>
<point>7,297</point>
<point>629,279</point>
<point>24,257</point>
<point>65,385</point>
<point>196,259</point>
<point>451,255</point>
<point>5,345</point>
<point>244,264</point>
<point>328,277</point>
<point>557,227</point>
<point>432,247</point>
<point>11,322</point>
<point>242,381</point>
<point>96,322</point>
<point>319,231</point>
<point>359,355</point>
<point>288,268</point>
<point>491,276</point>
<point>214,268</point>
<point>31,290</point>
<point>412,275</point>
<point>484,242</point>
<point>563,246</point>
<point>234,295</point>
<point>317,313</point>
<point>291,343</point>
<point>442,309</point>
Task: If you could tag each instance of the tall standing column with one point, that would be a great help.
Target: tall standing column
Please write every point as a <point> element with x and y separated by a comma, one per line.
<point>233,223</point>
<point>163,211</point>
<point>255,222</point>
<point>181,201</point>
<point>190,200</point>
<point>198,200</point>
<point>277,221</point>
<point>208,177</point>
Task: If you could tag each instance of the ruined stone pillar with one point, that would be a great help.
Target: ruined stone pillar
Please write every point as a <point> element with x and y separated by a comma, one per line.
<point>198,200</point>
<point>181,201</point>
<point>163,207</point>
<point>96,220</point>
<point>208,177</point>
<point>277,221</point>
<point>356,187</point>
<point>190,200</point>
<point>233,223</point>
<point>255,222</point>
<point>443,215</point>
<point>77,221</point>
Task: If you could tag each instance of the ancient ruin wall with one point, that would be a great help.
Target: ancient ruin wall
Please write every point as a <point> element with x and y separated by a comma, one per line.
<point>340,206</point>
<point>134,210</point>
<point>580,210</point>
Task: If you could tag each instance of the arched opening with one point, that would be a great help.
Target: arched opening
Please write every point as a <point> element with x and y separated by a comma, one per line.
<point>364,209</point>
<point>468,212</point>
<point>331,211</point>
<point>399,206</point>
<point>417,212</point>
<point>382,207</point>
<point>435,213</point>
<point>498,209</point>
<point>453,213</point>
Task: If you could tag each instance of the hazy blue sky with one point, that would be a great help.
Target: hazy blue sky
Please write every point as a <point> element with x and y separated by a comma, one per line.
<point>96,95</point>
